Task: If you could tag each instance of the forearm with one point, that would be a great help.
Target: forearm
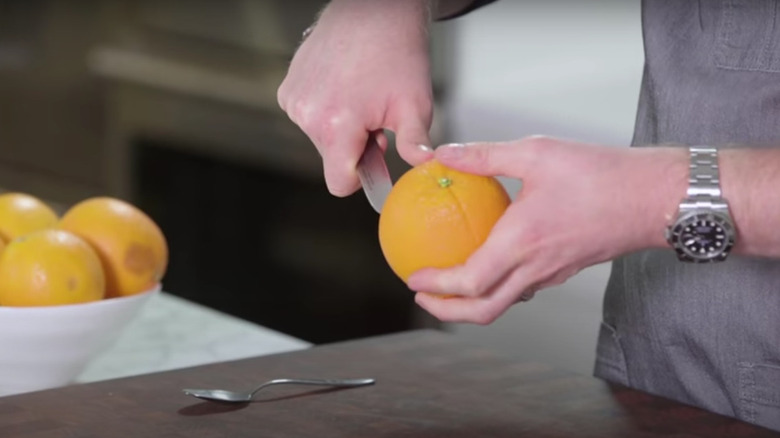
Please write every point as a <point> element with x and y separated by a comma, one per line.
<point>750,178</point>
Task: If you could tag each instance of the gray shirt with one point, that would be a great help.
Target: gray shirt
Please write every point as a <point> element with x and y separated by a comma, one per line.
<point>706,335</point>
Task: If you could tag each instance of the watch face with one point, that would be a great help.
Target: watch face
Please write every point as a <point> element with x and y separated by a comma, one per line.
<point>703,236</point>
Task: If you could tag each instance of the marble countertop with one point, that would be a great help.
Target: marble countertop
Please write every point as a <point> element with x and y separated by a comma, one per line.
<point>172,333</point>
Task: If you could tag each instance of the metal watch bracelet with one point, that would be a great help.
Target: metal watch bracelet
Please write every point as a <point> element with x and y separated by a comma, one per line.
<point>703,180</point>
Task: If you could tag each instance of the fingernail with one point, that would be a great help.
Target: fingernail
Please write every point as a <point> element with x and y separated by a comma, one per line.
<point>453,145</point>
<point>425,148</point>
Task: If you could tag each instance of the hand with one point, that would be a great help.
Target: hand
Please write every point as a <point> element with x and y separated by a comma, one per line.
<point>579,205</point>
<point>363,68</point>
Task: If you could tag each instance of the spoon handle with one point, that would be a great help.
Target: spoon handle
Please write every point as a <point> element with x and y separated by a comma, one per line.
<point>320,382</point>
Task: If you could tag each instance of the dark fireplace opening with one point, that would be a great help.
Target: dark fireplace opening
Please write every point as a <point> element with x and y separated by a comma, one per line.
<point>271,248</point>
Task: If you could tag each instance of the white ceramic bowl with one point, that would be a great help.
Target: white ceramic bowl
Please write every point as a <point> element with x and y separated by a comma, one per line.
<point>48,347</point>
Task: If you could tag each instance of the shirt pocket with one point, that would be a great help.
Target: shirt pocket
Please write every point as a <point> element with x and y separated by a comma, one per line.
<point>759,394</point>
<point>748,36</point>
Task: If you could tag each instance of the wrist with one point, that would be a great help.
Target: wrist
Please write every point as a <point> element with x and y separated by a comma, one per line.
<point>747,182</point>
<point>660,180</point>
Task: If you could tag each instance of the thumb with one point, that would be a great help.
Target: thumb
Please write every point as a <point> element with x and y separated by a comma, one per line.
<point>492,159</point>
<point>412,139</point>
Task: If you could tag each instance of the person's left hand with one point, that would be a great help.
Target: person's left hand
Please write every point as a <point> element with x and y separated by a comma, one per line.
<point>579,205</point>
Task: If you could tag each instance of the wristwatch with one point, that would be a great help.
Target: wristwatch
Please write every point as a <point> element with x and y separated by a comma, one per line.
<point>703,230</point>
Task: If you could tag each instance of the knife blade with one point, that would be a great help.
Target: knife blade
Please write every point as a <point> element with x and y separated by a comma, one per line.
<point>373,174</point>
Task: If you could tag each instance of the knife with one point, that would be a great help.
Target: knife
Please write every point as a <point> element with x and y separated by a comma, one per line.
<point>373,174</point>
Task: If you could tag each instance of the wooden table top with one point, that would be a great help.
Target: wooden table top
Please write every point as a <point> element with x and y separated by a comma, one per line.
<point>429,384</point>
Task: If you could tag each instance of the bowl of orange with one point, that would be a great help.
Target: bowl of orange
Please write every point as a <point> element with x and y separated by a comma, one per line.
<point>49,346</point>
<point>70,284</point>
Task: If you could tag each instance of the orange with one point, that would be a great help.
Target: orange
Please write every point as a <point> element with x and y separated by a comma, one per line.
<point>21,213</point>
<point>437,217</point>
<point>48,268</point>
<point>131,246</point>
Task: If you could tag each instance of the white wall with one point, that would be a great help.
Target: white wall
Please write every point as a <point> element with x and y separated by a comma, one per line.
<point>562,68</point>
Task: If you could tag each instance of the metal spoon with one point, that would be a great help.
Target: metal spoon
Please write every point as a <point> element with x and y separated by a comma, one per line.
<point>243,397</point>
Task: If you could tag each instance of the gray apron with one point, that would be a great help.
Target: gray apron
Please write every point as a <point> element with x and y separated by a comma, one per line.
<point>705,335</point>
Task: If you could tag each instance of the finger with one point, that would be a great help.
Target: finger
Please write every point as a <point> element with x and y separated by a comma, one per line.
<point>381,139</point>
<point>282,95</point>
<point>487,266</point>
<point>509,159</point>
<point>482,310</point>
<point>340,155</point>
<point>478,158</point>
<point>344,179</point>
<point>412,124</point>
<point>527,295</point>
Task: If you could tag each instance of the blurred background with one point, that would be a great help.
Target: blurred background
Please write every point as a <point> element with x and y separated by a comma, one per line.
<point>171,105</point>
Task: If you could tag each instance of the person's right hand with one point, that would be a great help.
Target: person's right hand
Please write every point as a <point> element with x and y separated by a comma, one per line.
<point>364,67</point>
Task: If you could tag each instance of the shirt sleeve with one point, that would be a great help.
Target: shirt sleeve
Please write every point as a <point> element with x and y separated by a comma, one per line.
<point>476,4</point>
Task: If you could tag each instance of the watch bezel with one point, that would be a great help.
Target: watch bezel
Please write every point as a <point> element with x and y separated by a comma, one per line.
<point>723,219</point>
